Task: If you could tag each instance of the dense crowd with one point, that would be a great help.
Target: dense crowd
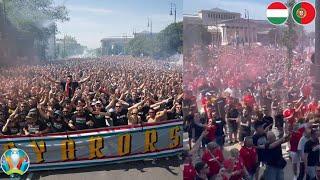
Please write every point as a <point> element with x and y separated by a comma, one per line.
<point>80,94</point>
<point>246,97</point>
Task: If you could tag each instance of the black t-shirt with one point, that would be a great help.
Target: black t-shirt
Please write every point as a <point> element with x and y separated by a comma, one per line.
<point>143,112</point>
<point>219,106</point>
<point>120,118</point>
<point>80,121</point>
<point>99,120</point>
<point>72,87</point>
<point>279,120</point>
<point>233,113</point>
<point>37,126</point>
<point>219,123</point>
<point>174,115</point>
<point>267,120</point>
<point>313,156</point>
<point>260,139</point>
<point>13,130</point>
<point>57,126</point>
<point>273,156</point>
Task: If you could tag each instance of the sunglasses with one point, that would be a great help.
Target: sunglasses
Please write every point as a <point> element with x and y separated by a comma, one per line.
<point>134,113</point>
<point>118,106</point>
<point>152,112</point>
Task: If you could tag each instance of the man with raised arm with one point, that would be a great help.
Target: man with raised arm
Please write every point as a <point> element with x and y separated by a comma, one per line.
<point>69,86</point>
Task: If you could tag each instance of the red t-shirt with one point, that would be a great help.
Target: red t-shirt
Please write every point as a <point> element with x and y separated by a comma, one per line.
<point>189,172</point>
<point>249,157</point>
<point>295,138</point>
<point>211,132</point>
<point>214,166</point>
<point>234,166</point>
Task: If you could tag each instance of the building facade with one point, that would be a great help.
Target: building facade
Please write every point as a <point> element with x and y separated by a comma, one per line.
<point>226,27</point>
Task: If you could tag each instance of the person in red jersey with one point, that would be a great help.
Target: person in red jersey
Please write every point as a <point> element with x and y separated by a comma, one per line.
<point>213,156</point>
<point>235,166</point>
<point>211,128</point>
<point>249,157</point>
<point>189,171</point>
<point>295,137</point>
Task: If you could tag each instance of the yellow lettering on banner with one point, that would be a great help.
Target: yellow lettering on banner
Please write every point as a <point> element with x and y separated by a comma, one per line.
<point>39,148</point>
<point>174,136</point>
<point>68,150</point>
<point>151,138</point>
<point>124,144</point>
<point>8,146</point>
<point>95,146</point>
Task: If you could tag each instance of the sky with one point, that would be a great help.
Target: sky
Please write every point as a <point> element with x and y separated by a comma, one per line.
<point>93,20</point>
<point>257,8</point>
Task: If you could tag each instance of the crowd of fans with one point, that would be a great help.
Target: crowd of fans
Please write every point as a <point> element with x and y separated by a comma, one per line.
<point>80,94</point>
<point>256,101</point>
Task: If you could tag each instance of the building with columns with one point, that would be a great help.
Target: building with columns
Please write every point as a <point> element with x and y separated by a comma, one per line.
<point>225,27</point>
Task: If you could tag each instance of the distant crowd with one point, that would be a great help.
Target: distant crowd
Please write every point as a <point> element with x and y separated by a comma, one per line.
<point>80,94</point>
<point>255,101</point>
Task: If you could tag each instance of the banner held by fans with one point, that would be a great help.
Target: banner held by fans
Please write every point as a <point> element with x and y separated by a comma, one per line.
<point>99,146</point>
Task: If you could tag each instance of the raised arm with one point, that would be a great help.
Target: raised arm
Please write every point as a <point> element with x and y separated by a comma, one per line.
<point>197,144</point>
<point>85,79</point>
<point>52,80</point>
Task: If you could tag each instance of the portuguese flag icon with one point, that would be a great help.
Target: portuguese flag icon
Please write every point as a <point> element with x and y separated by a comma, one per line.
<point>277,13</point>
<point>303,13</point>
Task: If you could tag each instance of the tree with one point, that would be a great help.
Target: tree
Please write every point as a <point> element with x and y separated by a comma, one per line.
<point>35,18</point>
<point>170,39</point>
<point>164,44</point>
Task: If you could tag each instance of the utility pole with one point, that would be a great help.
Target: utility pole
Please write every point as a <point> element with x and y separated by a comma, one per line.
<point>316,83</point>
<point>173,5</point>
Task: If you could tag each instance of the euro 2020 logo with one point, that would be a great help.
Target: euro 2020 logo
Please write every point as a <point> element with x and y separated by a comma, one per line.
<point>15,161</point>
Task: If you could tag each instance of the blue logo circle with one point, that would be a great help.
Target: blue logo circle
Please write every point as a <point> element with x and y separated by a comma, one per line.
<point>15,161</point>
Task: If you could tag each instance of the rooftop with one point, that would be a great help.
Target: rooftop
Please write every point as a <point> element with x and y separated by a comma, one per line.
<point>218,10</point>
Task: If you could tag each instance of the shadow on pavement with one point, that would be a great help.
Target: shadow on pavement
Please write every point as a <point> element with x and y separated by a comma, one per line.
<point>166,163</point>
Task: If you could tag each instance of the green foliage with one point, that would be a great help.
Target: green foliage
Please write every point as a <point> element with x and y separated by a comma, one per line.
<point>68,46</point>
<point>34,16</point>
<point>164,44</point>
<point>170,39</point>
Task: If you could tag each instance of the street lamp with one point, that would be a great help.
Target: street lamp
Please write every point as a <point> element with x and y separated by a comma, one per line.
<point>173,5</point>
